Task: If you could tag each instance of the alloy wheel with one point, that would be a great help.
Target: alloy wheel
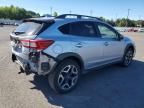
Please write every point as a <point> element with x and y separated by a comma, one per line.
<point>68,77</point>
<point>128,57</point>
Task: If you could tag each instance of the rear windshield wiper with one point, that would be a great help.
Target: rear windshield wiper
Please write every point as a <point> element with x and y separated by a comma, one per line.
<point>18,33</point>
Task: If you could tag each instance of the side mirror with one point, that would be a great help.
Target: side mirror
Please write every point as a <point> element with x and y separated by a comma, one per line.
<point>120,37</point>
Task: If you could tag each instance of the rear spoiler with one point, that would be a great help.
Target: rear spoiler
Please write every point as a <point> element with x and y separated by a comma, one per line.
<point>38,20</point>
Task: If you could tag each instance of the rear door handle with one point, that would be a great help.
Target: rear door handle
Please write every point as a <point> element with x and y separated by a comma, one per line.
<point>106,44</point>
<point>79,45</point>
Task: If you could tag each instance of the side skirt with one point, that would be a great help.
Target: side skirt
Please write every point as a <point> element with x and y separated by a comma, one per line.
<point>100,67</point>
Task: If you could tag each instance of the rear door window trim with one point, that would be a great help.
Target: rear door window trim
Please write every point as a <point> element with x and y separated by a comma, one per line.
<point>92,23</point>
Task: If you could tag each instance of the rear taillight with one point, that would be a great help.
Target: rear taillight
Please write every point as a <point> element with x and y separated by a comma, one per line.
<point>37,44</point>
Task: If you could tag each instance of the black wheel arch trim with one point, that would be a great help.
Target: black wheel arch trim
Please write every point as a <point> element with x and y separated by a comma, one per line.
<point>63,56</point>
<point>128,46</point>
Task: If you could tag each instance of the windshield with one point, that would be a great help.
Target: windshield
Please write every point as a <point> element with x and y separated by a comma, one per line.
<point>27,28</point>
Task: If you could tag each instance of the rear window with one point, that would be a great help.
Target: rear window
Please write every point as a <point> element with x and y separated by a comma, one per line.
<point>32,28</point>
<point>28,28</point>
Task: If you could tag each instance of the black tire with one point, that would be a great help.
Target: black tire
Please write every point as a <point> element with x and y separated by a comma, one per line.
<point>60,78</point>
<point>128,57</point>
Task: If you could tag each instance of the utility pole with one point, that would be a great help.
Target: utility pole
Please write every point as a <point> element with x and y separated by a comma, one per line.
<point>51,11</point>
<point>91,12</point>
<point>128,13</point>
<point>128,16</point>
<point>70,12</point>
<point>116,16</point>
<point>140,21</point>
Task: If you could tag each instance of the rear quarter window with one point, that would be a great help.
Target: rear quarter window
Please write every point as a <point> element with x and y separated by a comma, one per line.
<point>65,29</point>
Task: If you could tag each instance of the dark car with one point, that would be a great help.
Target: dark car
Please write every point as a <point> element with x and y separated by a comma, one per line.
<point>1,24</point>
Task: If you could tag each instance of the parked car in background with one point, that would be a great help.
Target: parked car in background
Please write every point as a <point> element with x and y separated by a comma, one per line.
<point>64,48</point>
<point>122,30</point>
<point>132,30</point>
<point>16,24</point>
<point>141,30</point>
<point>1,24</point>
<point>135,30</point>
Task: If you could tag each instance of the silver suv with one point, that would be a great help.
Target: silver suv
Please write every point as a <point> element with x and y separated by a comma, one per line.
<point>67,46</point>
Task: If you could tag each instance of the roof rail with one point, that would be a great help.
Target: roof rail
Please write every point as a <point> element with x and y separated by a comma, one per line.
<point>77,16</point>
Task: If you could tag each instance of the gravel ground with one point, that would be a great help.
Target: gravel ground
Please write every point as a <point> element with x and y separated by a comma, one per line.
<point>111,87</point>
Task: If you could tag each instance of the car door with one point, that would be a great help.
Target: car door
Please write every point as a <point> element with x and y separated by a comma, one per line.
<point>113,47</point>
<point>87,43</point>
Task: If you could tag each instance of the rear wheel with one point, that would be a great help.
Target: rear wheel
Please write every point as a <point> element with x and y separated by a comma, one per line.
<point>128,57</point>
<point>65,77</point>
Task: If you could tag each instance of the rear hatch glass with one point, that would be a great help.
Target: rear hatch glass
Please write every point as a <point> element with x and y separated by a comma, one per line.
<point>31,28</point>
<point>27,28</point>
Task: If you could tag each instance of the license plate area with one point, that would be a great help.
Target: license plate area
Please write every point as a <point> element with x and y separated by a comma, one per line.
<point>16,44</point>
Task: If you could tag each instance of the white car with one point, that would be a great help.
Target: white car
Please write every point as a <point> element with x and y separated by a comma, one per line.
<point>141,30</point>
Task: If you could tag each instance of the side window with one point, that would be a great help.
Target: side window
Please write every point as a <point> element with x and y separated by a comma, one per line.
<point>106,32</point>
<point>65,29</point>
<point>82,29</point>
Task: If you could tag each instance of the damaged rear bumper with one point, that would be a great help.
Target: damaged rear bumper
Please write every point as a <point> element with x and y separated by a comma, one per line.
<point>38,62</point>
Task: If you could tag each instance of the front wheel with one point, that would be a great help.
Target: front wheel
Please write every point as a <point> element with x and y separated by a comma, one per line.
<point>128,57</point>
<point>65,77</point>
